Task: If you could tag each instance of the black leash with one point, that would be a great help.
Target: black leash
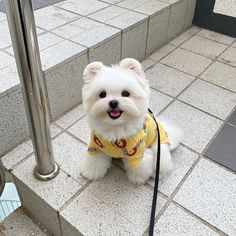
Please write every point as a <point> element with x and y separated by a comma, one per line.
<point>154,198</point>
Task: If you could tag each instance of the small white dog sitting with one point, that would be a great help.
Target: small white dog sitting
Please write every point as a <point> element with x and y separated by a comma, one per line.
<point>116,100</point>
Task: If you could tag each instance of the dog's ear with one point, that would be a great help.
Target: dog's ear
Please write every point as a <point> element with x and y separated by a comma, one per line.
<point>92,70</point>
<point>132,65</point>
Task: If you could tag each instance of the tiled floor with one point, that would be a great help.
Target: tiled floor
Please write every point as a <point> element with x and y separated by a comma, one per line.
<point>196,89</point>
<point>37,4</point>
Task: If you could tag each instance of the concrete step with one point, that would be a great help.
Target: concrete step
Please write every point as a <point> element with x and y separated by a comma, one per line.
<point>18,223</point>
<point>71,35</point>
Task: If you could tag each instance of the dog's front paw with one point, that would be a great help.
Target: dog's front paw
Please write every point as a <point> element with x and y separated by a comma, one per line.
<point>141,174</point>
<point>94,168</point>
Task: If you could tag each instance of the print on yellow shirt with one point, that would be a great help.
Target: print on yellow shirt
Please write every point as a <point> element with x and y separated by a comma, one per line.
<point>131,148</point>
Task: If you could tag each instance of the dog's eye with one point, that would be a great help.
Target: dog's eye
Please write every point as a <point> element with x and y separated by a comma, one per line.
<point>125,94</point>
<point>103,94</point>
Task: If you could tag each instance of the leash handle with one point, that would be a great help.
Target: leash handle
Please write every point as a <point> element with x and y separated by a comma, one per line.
<point>154,198</point>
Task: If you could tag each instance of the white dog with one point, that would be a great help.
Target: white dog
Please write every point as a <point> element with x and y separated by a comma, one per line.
<point>116,101</point>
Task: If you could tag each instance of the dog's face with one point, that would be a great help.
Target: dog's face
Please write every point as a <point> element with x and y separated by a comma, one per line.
<point>115,95</point>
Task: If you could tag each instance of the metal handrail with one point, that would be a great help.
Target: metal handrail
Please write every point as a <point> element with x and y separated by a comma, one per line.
<point>25,44</point>
<point>7,207</point>
<point>2,178</point>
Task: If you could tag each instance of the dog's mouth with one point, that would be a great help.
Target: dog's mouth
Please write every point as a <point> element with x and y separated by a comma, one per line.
<point>114,113</point>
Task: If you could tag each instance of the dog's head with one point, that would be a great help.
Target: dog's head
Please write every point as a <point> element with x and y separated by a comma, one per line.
<point>117,95</point>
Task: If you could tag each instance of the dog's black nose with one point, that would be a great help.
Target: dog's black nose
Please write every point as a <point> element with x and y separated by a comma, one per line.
<point>113,104</point>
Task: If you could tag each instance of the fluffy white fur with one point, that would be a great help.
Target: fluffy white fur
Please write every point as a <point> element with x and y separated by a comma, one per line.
<point>127,76</point>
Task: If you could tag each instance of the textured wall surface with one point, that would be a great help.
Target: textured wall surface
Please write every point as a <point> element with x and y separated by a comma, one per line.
<point>225,7</point>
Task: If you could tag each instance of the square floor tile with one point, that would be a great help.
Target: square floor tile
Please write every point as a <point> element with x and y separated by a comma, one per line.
<point>18,223</point>
<point>182,38</point>
<point>160,53</point>
<point>204,46</point>
<point>194,29</point>
<point>76,27</point>
<point>90,215</point>
<point>47,40</point>
<point>5,35</point>
<point>221,38</point>
<point>37,4</point>
<point>131,4</point>
<point>107,13</point>
<point>183,160</point>
<point>147,63</point>
<point>69,154</point>
<point>210,98</point>
<point>209,192</point>
<point>172,1</point>
<point>127,19</point>
<point>112,1</point>
<point>125,197</point>
<point>222,75</point>
<point>81,130</point>
<point>187,61</point>
<point>198,127</point>
<point>5,59</point>
<point>167,79</point>
<point>55,130</point>
<point>158,101</point>
<point>2,16</point>
<point>9,79</point>
<point>232,118</point>
<point>96,35</point>
<point>55,192</point>
<point>176,221</point>
<point>51,17</point>
<point>82,7</point>
<point>59,53</point>
<point>71,117</point>
<point>151,7</point>
<point>17,154</point>
<point>229,56</point>
<point>223,149</point>
<point>50,2</point>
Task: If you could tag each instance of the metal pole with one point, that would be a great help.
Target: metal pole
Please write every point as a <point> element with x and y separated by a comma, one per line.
<point>2,178</point>
<point>23,32</point>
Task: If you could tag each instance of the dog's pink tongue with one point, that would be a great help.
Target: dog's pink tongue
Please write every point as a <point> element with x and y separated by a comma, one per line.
<point>115,113</point>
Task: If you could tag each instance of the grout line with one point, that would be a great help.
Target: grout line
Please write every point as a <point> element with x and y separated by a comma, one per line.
<point>201,36</point>
<point>60,223</point>
<point>200,109</point>
<point>75,137</point>
<point>20,162</point>
<point>171,197</point>
<point>147,32</point>
<point>220,86</point>
<point>192,35</point>
<point>68,127</point>
<point>219,165</point>
<point>199,219</point>
<point>74,197</point>
<point>167,54</point>
<point>114,3</point>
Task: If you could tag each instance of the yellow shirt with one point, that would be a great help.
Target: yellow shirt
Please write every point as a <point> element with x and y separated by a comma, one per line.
<point>131,148</point>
